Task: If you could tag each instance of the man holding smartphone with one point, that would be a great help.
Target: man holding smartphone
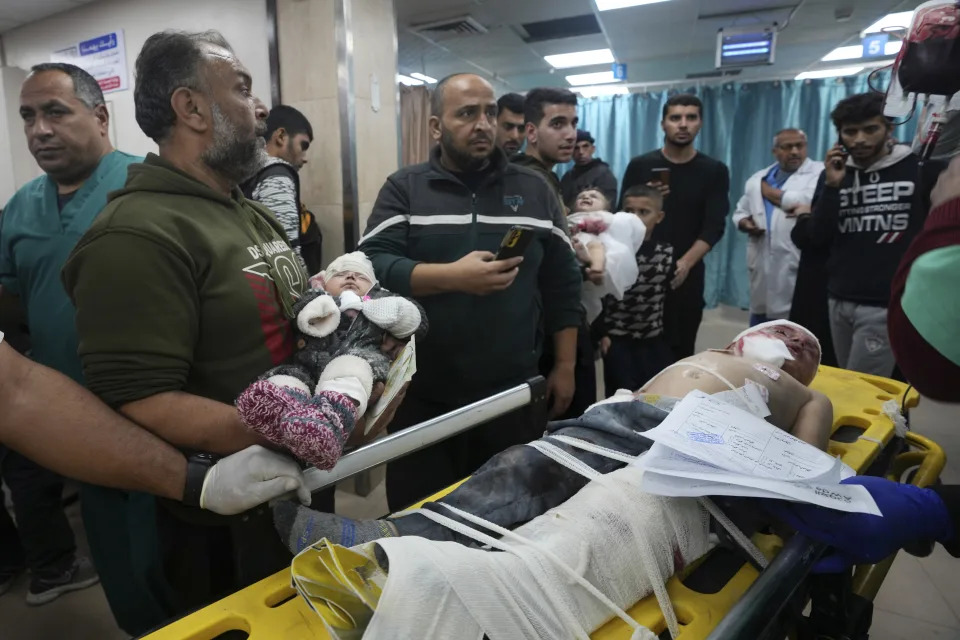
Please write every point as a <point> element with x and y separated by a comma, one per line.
<point>433,234</point>
<point>869,204</point>
<point>696,202</point>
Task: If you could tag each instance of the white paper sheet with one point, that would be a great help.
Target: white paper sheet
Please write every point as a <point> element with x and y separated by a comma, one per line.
<point>671,473</point>
<point>706,428</point>
<point>708,447</point>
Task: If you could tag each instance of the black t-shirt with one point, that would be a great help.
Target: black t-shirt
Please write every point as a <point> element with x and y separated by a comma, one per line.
<point>698,204</point>
<point>63,199</point>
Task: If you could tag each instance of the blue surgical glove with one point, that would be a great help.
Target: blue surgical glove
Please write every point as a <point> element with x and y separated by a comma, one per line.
<point>910,514</point>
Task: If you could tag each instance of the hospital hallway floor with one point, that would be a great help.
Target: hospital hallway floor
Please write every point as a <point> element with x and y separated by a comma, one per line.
<point>919,599</point>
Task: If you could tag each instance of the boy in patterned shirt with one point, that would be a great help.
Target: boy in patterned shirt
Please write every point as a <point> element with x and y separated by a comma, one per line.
<point>633,347</point>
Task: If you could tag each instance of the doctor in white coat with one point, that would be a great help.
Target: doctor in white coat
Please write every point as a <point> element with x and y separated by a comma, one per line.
<point>767,214</point>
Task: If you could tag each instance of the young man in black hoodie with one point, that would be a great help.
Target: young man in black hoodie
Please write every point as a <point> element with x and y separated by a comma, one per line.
<point>870,202</point>
<point>587,172</point>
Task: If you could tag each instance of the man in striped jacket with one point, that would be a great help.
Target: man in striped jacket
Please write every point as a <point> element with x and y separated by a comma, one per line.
<point>433,235</point>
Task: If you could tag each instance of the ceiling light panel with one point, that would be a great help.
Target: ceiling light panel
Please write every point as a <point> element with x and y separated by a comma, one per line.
<point>424,77</point>
<point>580,58</point>
<point>829,73</point>
<point>855,51</point>
<point>607,5</point>
<point>584,79</point>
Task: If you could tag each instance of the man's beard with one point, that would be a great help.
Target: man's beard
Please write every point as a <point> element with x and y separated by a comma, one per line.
<point>229,155</point>
<point>292,152</point>
<point>462,159</point>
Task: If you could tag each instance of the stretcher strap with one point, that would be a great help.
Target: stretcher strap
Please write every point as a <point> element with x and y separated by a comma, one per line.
<point>647,555</point>
<point>595,448</point>
<point>465,530</point>
<point>745,543</point>
<point>737,390</point>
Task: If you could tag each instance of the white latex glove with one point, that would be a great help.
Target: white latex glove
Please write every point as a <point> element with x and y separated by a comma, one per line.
<point>249,478</point>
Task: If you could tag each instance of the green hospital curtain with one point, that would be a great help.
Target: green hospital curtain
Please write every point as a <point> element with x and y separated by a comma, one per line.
<point>740,120</point>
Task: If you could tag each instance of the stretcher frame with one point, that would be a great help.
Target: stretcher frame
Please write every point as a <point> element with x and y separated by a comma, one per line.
<point>746,607</point>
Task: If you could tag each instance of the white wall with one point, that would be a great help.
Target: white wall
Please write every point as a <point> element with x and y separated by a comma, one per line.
<point>242,22</point>
<point>16,163</point>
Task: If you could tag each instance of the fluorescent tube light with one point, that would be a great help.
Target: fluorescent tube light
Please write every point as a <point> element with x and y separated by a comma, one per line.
<point>424,77</point>
<point>836,72</point>
<point>584,79</point>
<point>607,5</point>
<point>855,51</point>
<point>580,58</point>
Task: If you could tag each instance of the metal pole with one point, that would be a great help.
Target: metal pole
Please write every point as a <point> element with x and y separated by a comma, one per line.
<point>346,102</point>
<point>768,594</point>
<point>421,436</point>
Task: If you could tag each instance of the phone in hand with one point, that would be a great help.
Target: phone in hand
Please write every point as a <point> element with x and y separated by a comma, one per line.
<point>838,164</point>
<point>662,175</point>
<point>515,242</point>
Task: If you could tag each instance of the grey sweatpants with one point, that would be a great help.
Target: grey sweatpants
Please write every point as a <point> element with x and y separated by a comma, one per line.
<point>860,337</point>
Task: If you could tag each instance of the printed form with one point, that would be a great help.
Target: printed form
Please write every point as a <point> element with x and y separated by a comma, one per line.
<point>708,447</point>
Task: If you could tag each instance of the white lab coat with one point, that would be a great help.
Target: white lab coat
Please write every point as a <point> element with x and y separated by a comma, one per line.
<point>772,258</point>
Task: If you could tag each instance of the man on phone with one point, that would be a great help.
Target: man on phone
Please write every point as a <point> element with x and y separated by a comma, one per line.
<point>433,235</point>
<point>869,204</point>
<point>696,202</point>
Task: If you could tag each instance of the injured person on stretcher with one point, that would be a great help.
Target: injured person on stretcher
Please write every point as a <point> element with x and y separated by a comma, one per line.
<point>766,370</point>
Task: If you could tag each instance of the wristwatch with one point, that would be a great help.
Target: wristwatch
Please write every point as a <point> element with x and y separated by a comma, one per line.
<point>198,465</point>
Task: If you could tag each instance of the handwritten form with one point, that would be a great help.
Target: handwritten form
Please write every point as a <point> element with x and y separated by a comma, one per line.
<point>708,447</point>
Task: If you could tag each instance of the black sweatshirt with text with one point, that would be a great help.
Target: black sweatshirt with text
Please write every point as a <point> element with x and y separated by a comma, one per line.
<point>868,223</point>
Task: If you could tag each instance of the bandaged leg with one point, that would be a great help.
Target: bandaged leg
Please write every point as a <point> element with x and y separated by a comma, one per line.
<point>513,487</point>
<point>532,590</point>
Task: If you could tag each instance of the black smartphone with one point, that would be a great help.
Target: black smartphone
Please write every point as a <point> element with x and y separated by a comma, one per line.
<point>843,147</point>
<point>515,242</point>
<point>662,175</point>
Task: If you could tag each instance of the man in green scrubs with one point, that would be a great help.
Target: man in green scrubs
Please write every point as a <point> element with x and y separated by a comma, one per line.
<point>66,124</point>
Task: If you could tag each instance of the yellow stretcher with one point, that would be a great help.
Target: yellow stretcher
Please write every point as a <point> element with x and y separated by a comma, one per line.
<point>863,435</point>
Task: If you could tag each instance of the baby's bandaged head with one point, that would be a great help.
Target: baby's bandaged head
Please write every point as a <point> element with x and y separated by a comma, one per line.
<point>756,344</point>
<point>355,262</point>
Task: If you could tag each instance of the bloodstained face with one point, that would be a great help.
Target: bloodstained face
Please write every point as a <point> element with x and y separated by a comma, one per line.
<point>802,346</point>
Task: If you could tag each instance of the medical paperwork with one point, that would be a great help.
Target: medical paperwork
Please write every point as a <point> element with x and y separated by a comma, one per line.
<point>708,447</point>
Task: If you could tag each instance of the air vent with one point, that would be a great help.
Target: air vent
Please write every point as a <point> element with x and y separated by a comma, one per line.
<point>585,25</point>
<point>460,26</point>
<point>704,75</point>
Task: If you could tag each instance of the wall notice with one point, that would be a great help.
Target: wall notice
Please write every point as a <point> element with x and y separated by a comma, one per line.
<point>104,57</point>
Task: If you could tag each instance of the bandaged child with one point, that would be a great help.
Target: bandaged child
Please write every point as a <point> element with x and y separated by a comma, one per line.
<point>765,370</point>
<point>607,242</point>
<point>349,331</point>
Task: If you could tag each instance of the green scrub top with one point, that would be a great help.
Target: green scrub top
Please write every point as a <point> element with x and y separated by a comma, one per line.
<point>36,237</point>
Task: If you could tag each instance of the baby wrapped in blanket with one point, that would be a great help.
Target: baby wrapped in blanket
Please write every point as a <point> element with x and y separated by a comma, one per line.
<point>608,242</point>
